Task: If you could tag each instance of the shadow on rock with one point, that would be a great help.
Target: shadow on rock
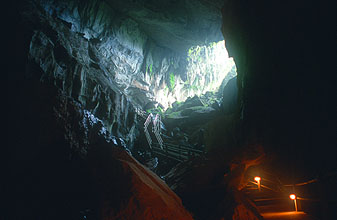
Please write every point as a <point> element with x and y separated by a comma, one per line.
<point>210,186</point>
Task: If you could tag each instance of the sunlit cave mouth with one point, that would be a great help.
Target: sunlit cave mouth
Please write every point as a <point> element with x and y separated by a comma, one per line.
<point>208,69</point>
<point>132,109</point>
<point>154,63</point>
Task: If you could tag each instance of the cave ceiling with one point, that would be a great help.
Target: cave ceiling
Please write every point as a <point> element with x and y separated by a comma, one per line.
<point>177,25</point>
<point>144,47</point>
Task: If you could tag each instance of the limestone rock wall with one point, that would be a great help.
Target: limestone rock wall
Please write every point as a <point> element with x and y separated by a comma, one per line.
<point>69,63</point>
<point>137,49</point>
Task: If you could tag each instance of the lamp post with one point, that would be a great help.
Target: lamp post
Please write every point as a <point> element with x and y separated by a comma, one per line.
<point>258,180</point>
<point>294,198</point>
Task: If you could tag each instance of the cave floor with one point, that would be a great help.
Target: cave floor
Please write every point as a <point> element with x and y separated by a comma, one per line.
<point>287,215</point>
<point>281,211</point>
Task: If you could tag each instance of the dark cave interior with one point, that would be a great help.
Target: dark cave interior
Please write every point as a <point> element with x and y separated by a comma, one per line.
<point>82,78</point>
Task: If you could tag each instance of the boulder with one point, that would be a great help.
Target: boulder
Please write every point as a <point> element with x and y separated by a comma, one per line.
<point>191,102</point>
<point>131,191</point>
<point>124,187</point>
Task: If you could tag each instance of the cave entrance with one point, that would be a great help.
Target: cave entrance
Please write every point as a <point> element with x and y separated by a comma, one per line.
<point>208,68</point>
<point>192,101</point>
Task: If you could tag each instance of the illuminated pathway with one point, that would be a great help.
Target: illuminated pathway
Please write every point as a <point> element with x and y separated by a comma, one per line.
<point>280,209</point>
<point>287,215</point>
<point>272,203</point>
<point>274,212</point>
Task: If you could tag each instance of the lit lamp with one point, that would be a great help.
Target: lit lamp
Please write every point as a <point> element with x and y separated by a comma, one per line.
<point>293,197</point>
<point>258,180</point>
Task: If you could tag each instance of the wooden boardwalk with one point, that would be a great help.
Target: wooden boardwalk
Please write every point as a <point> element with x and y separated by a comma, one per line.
<point>274,204</point>
<point>176,152</point>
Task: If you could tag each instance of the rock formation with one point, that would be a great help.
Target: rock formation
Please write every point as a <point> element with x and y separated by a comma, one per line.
<point>284,56</point>
<point>119,46</point>
<point>210,186</point>
<point>82,74</point>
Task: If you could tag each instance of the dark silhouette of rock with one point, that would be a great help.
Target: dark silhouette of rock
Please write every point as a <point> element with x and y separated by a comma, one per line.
<point>230,97</point>
<point>127,190</point>
<point>131,191</point>
<point>283,101</point>
<point>210,186</point>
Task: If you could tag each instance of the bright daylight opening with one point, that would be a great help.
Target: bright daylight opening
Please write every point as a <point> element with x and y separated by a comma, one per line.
<point>208,68</point>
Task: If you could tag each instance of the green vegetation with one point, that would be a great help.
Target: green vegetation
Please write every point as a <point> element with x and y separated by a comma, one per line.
<point>150,70</point>
<point>213,44</point>
<point>157,110</point>
<point>194,51</point>
<point>174,115</point>
<point>166,90</point>
<point>194,87</point>
<point>211,63</point>
<point>172,81</point>
<point>197,51</point>
<point>190,51</point>
<point>161,109</point>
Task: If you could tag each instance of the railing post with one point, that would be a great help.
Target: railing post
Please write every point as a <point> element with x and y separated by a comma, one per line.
<point>179,147</point>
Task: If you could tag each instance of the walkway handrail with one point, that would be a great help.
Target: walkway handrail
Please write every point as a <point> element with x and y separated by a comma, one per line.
<point>176,152</point>
<point>301,184</point>
<point>181,148</point>
<point>185,147</point>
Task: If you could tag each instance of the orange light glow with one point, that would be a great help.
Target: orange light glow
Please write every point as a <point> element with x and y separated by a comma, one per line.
<point>257,179</point>
<point>292,196</point>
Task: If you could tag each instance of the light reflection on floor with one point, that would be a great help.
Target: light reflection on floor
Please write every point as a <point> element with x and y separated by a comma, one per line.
<point>286,215</point>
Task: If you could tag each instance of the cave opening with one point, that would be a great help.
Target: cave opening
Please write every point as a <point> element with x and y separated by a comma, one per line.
<point>135,110</point>
<point>208,68</point>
